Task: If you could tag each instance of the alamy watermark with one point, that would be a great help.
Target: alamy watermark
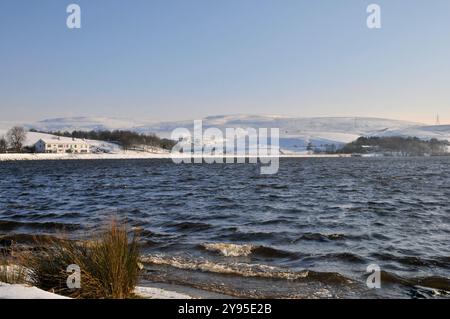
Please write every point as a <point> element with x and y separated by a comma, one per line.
<point>235,145</point>
<point>374,19</point>
<point>374,279</point>
<point>74,19</point>
<point>74,279</point>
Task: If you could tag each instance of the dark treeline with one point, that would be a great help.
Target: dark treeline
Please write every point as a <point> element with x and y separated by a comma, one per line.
<point>126,139</point>
<point>396,145</point>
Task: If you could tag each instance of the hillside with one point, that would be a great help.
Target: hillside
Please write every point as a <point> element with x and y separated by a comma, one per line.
<point>295,133</point>
<point>83,124</point>
<point>440,132</point>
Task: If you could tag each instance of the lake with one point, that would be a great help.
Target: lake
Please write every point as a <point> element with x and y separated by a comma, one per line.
<point>309,231</point>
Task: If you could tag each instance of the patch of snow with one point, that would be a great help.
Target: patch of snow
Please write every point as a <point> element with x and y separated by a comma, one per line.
<point>8,291</point>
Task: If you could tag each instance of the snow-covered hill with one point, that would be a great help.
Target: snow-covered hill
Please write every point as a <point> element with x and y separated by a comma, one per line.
<point>440,132</point>
<point>84,124</point>
<point>288,126</point>
<point>295,133</point>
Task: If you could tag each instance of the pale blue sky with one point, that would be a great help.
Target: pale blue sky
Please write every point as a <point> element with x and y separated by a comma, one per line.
<point>185,59</point>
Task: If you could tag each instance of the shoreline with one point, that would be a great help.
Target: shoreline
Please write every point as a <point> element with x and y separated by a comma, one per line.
<point>135,155</point>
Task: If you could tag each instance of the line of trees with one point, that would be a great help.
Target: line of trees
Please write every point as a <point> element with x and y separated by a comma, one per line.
<point>14,140</point>
<point>397,145</point>
<point>126,139</point>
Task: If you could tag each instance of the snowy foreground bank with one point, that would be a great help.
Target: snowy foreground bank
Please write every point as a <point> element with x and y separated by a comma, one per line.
<point>8,291</point>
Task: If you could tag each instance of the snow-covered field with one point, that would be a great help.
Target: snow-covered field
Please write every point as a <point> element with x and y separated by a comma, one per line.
<point>96,146</point>
<point>99,150</point>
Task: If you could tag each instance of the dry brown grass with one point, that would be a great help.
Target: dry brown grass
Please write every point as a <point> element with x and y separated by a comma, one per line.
<point>11,270</point>
<point>109,264</point>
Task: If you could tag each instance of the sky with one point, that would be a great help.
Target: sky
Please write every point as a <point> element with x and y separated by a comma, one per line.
<point>186,59</point>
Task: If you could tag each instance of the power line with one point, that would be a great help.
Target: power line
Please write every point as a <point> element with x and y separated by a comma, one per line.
<point>438,121</point>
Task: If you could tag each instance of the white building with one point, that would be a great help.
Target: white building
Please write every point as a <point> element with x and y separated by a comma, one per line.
<point>61,145</point>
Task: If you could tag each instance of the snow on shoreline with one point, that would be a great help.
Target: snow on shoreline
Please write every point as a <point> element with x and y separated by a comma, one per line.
<point>17,291</point>
<point>91,156</point>
<point>8,291</point>
<point>123,156</point>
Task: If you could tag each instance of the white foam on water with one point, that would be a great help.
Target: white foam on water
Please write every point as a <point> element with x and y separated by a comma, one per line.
<point>230,250</point>
<point>236,268</point>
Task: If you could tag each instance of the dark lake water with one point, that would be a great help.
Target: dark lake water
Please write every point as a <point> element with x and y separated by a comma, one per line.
<point>309,231</point>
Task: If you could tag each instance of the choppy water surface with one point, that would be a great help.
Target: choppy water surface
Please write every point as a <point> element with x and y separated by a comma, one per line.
<point>309,231</point>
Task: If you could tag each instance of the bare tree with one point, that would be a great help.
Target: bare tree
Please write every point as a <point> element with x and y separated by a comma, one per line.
<point>16,137</point>
<point>3,145</point>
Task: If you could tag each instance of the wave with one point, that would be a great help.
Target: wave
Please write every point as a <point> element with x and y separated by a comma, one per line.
<point>9,225</point>
<point>440,285</point>
<point>230,250</point>
<point>443,262</point>
<point>320,237</point>
<point>434,282</point>
<point>190,226</point>
<point>243,250</point>
<point>268,252</point>
<point>257,236</point>
<point>242,269</point>
<point>344,256</point>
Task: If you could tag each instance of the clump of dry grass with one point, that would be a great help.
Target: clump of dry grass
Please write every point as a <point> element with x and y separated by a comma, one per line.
<point>109,264</point>
<point>11,271</point>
